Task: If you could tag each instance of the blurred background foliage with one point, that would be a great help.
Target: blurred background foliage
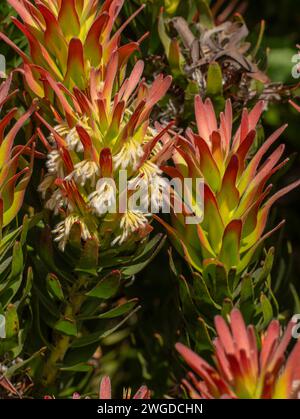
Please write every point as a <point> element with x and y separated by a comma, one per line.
<point>143,351</point>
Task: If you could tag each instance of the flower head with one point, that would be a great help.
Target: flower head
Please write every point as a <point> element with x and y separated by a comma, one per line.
<point>242,368</point>
<point>68,38</point>
<point>104,134</point>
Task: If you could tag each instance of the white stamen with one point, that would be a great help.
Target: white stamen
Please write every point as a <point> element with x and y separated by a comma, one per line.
<point>57,201</point>
<point>130,154</point>
<point>104,198</point>
<point>150,178</point>
<point>63,230</point>
<point>130,223</point>
<point>46,183</point>
<point>55,163</point>
<point>73,141</point>
<point>83,171</point>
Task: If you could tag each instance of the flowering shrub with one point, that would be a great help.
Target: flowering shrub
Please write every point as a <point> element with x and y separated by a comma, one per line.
<point>141,195</point>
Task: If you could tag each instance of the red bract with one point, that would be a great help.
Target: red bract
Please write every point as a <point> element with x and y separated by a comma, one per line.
<point>245,368</point>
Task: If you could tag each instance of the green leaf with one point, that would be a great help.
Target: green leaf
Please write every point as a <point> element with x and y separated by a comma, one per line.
<point>232,280</point>
<point>74,243</point>
<point>175,58</point>
<point>171,6</point>
<point>54,287</point>
<point>216,282</point>
<point>7,242</point>
<point>115,312</point>
<point>166,41</point>
<point>46,302</point>
<point>247,298</point>
<point>28,286</point>
<point>267,310</point>
<point>77,356</point>
<point>107,287</point>
<point>4,265</point>
<point>120,310</point>
<point>214,80</point>
<point>20,365</point>
<point>203,339</point>
<point>101,334</point>
<point>12,285</point>
<point>17,261</point>
<point>214,86</point>
<point>25,227</point>
<point>296,298</point>
<point>67,327</point>
<point>247,291</point>
<point>226,307</point>
<point>259,38</point>
<point>157,242</point>
<point>45,249</point>
<point>186,299</point>
<point>150,251</point>
<point>11,322</point>
<point>267,267</point>
<point>89,258</point>
<point>78,368</point>
<point>202,291</point>
<point>229,254</point>
<point>206,17</point>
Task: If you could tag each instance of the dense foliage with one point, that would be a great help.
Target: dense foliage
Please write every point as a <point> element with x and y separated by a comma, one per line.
<point>99,281</point>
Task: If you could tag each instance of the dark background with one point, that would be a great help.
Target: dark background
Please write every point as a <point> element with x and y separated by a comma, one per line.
<point>143,351</point>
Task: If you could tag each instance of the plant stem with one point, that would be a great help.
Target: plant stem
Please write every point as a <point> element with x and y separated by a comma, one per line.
<point>61,347</point>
